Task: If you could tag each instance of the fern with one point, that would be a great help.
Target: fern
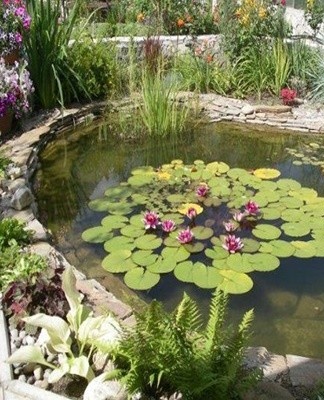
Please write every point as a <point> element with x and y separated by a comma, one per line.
<point>164,353</point>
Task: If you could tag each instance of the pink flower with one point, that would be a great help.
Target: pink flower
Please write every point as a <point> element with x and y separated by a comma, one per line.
<point>151,220</point>
<point>168,225</point>
<point>283,3</point>
<point>232,244</point>
<point>239,216</point>
<point>191,213</point>
<point>202,190</point>
<point>252,208</point>
<point>185,236</point>
<point>229,226</point>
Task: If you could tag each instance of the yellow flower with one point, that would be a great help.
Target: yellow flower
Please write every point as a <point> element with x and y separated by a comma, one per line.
<point>262,13</point>
<point>163,176</point>
<point>183,209</point>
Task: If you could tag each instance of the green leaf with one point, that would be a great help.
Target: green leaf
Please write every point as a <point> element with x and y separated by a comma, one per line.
<point>162,266</point>
<point>239,263</point>
<point>132,231</point>
<point>271,213</point>
<point>202,233</point>
<point>268,232</point>
<point>206,277</point>
<point>97,234</point>
<point>291,202</point>
<point>288,184</point>
<point>118,261</point>
<point>140,279</point>
<point>119,243</point>
<point>304,249</point>
<point>217,168</point>
<point>171,242</point>
<point>266,173</point>
<point>292,215</point>
<point>144,257</point>
<point>216,253</point>
<point>262,261</point>
<point>73,296</point>
<point>235,282</point>
<point>184,271</point>
<point>196,247</point>
<point>177,253</point>
<point>80,366</point>
<point>118,192</point>
<point>280,248</point>
<point>28,354</point>
<point>140,180</point>
<point>295,229</point>
<point>114,222</point>
<point>148,242</point>
<point>250,245</point>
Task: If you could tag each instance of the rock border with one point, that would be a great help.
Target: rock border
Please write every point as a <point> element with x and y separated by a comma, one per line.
<point>23,151</point>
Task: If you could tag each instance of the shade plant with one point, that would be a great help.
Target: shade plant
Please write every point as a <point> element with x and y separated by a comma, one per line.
<point>208,224</point>
<point>15,89</point>
<point>14,21</point>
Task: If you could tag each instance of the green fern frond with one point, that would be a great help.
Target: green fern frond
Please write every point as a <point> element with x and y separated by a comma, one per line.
<point>216,319</point>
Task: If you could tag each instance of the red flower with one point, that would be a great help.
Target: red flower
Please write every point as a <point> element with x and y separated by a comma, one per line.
<point>288,96</point>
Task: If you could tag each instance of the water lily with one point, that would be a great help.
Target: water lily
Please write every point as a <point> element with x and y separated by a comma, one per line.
<point>239,216</point>
<point>185,236</point>
<point>151,220</point>
<point>252,208</point>
<point>232,244</point>
<point>168,225</point>
<point>230,226</point>
<point>191,213</point>
<point>202,190</point>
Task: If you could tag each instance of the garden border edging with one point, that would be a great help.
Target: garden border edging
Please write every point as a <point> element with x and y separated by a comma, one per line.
<point>23,151</point>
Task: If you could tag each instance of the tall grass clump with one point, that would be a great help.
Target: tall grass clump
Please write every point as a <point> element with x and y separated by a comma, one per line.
<point>164,353</point>
<point>46,46</point>
<point>317,79</point>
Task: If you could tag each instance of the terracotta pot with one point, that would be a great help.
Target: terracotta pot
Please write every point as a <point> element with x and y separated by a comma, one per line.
<point>11,57</point>
<point>6,123</point>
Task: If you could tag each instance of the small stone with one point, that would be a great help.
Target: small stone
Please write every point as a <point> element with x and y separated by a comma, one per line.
<point>17,370</point>
<point>14,333</point>
<point>247,110</point>
<point>51,357</point>
<point>18,343</point>
<point>38,373</point>
<point>22,198</point>
<point>14,172</point>
<point>107,390</point>
<point>30,341</point>
<point>42,384</point>
<point>22,378</point>
<point>22,334</point>
<point>31,380</point>
<point>29,368</point>
<point>47,373</point>
<point>268,391</point>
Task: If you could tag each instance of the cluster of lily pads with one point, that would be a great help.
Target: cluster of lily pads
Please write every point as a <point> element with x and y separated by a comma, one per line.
<point>208,224</point>
<point>308,154</point>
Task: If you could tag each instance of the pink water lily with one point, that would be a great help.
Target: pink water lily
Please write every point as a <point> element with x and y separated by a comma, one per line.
<point>151,220</point>
<point>252,208</point>
<point>202,190</point>
<point>185,236</point>
<point>232,244</point>
<point>168,225</point>
<point>191,213</point>
<point>239,216</point>
<point>230,226</point>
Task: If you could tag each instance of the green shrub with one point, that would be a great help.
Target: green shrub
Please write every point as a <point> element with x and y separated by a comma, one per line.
<point>165,353</point>
<point>13,230</point>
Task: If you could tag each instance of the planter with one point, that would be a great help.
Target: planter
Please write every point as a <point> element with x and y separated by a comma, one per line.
<point>11,57</point>
<point>6,123</point>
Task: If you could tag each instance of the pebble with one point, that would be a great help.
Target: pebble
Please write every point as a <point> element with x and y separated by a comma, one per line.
<point>22,334</point>
<point>14,334</point>
<point>22,378</point>
<point>51,357</point>
<point>29,368</point>
<point>30,341</point>
<point>47,373</point>
<point>42,384</point>
<point>17,370</point>
<point>38,373</point>
<point>31,380</point>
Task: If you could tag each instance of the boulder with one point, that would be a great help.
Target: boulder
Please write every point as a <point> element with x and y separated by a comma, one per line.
<point>22,198</point>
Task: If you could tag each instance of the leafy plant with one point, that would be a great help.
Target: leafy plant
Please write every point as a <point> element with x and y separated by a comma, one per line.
<point>47,46</point>
<point>164,353</point>
<point>17,265</point>
<point>282,65</point>
<point>74,340</point>
<point>316,78</point>
<point>12,229</point>
<point>314,14</point>
<point>288,96</point>
<point>4,162</point>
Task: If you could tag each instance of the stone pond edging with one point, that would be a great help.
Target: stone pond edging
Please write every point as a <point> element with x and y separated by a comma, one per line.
<point>17,201</point>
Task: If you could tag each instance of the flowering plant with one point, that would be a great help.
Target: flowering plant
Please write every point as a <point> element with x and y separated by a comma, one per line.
<point>288,96</point>
<point>15,87</point>
<point>14,20</point>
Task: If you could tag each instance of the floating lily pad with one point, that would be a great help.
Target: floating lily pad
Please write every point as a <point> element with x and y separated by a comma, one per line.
<point>118,261</point>
<point>195,247</point>
<point>162,266</point>
<point>141,279</point>
<point>304,249</point>
<point>132,231</point>
<point>118,192</point>
<point>137,220</point>
<point>292,215</point>
<point>114,221</point>
<point>239,263</point>
<point>266,173</point>
<point>97,234</point>
<point>304,194</point>
<point>206,277</point>
<point>295,229</point>
<point>262,261</point>
<point>271,213</point>
<point>183,209</point>
<point>148,242</point>
<point>202,233</point>
<point>139,198</point>
<point>184,271</point>
<point>140,180</point>
<point>250,245</point>
<point>268,232</point>
<point>171,242</point>
<point>217,168</point>
<point>288,184</point>
<point>235,282</point>
<point>119,243</point>
<point>177,253</point>
<point>144,257</point>
<point>291,202</point>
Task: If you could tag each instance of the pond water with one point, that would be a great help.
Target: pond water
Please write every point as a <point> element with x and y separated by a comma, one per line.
<point>80,165</point>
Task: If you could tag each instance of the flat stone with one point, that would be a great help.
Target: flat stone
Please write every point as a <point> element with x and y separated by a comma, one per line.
<point>268,391</point>
<point>275,367</point>
<point>107,390</point>
<point>305,371</point>
<point>233,111</point>
<point>21,157</point>
<point>22,198</point>
<point>23,216</point>
<point>42,248</point>
<point>256,357</point>
<point>278,109</point>
<point>247,110</point>
<point>13,185</point>
<point>39,233</point>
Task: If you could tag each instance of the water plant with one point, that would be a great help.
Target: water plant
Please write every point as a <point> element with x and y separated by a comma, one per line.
<point>199,360</point>
<point>272,218</point>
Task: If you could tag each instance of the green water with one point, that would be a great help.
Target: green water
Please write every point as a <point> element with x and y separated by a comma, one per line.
<point>80,165</point>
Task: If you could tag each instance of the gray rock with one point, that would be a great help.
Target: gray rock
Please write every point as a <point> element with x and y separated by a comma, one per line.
<point>22,378</point>
<point>38,373</point>
<point>39,233</point>
<point>268,391</point>
<point>31,380</point>
<point>104,390</point>
<point>247,109</point>
<point>275,367</point>
<point>22,198</point>
<point>42,384</point>
<point>13,172</point>
<point>305,371</point>
<point>30,341</point>
<point>256,357</point>
<point>14,333</point>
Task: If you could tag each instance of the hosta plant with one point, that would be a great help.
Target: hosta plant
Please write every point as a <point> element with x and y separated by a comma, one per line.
<point>164,353</point>
<point>74,340</point>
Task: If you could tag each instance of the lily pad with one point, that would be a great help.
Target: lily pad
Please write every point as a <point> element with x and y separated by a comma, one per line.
<point>217,168</point>
<point>239,263</point>
<point>132,231</point>
<point>202,233</point>
<point>114,221</point>
<point>141,279</point>
<point>97,234</point>
<point>266,173</point>
<point>235,282</point>
<point>271,213</point>
<point>119,243</point>
<point>196,247</point>
<point>216,253</point>
<point>292,215</point>
<point>281,248</point>
<point>268,232</point>
<point>288,184</point>
<point>115,261</point>
<point>177,253</point>
<point>162,266</point>
<point>184,271</point>
<point>148,242</point>
<point>262,261</point>
<point>206,277</point>
<point>118,192</point>
<point>250,245</point>
<point>295,229</point>
<point>183,209</point>
<point>144,257</point>
<point>304,249</point>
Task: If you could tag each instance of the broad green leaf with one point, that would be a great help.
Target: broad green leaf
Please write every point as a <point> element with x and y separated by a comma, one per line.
<point>195,247</point>
<point>266,173</point>
<point>148,242</point>
<point>281,248</point>
<point>118,192</point>
<point>73,296</point>
<point>217,168</point>
<point>288,184</point>
<point>80,366</point>
<point>292,215</point>
<point>28,354</point>
<point>184,271</point>
<point>235,282</point>
<point>162,266</point>
<point>140,279</point>
<point>178,253</point>
<point>132,231</point>
<point>270,213</point>
<point>114,222</point>
<point>268,232</point>
<point>291,202</point>
<point>250,245</point>
<point>262,261</point>
<point>117,265</point>
<point>97,234</point>
<point>216,253</point>
<point>206,277</point>
<point>239,263</point>
<point>295,229</point>
<point>304,249</point>
<point>202,233</point>
<point>119,243</point>
<point>144,257</point>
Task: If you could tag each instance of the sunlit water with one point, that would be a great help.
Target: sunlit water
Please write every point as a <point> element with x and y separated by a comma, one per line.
<point>79,166</point>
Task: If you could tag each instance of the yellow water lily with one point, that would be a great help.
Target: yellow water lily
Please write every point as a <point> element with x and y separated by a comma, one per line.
<point>163,175</point>
<point>183,209</point>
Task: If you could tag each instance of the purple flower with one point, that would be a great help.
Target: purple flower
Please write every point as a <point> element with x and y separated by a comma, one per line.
<point>229,226</point>
<point>191,213</point>
<point>185,236</point>
<point>151,220</point>
<point>239,216</point>
<point>168,225</point>
<point>202,190</point>
<point>232,244</point>
<point>252,208</point>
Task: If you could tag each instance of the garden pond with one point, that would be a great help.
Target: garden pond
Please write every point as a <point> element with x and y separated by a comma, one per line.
<point>93,190</point>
